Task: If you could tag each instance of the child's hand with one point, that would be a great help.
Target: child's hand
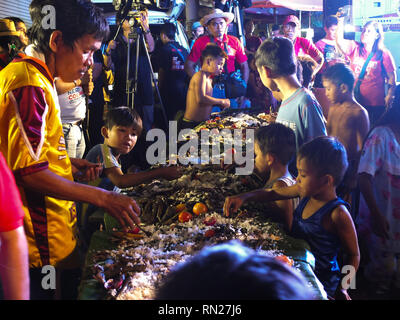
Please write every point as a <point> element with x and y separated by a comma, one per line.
<point>226,103</point>
<point>232,204</point>
<point>171,173</point>
<point>83,170</point>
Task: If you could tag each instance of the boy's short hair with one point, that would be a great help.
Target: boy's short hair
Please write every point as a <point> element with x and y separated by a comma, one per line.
<point>123,116</point>
<point>338,74</point>
<point>308,65</point>
<point>232,271</point>
<point>277,54</point>
<point>278,140</point>
<point>169,30</point>
<point>330,21</point>
<point>214,51</point>
<point>327,156</point>
<point>74,18</point>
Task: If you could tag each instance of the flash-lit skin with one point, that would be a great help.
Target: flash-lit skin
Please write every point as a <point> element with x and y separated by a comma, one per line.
<point>331,32</point>
<point>71,63</point>
<point>291,31</point>
<point>120,139</point>
<point>347,120</point>
<point>198,32</point>
<point>21,27</point>
<point>199,100</point>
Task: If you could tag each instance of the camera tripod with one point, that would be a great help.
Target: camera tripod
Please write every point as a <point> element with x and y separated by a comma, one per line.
<point>234,8</point>
<point>137,35</point>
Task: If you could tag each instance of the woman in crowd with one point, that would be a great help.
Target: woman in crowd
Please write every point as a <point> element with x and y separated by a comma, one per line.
<point>379,216</point>
<point>373,65</point>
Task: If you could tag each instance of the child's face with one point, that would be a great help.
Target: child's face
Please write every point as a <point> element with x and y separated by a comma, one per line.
<point>122,139</point>
<point>260,160</point>
<point>331,32</point>
<point>308,180</point>
<point>216,65</point>
<point>332,91</point>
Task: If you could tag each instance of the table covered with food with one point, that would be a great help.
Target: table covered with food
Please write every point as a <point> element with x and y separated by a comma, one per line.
<point>181,217</point>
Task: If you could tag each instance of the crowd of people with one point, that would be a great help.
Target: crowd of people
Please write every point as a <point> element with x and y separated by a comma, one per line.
<point>328,158</point>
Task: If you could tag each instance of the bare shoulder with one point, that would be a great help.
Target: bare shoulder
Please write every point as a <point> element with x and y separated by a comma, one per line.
<point>340,216</point>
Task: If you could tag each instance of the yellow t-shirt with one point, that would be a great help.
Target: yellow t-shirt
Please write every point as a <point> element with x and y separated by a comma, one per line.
<point>31,139</point>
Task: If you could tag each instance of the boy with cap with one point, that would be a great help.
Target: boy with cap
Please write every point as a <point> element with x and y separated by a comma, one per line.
<point>302,46</point>
<point>10,43</point>
<point>197,32</point>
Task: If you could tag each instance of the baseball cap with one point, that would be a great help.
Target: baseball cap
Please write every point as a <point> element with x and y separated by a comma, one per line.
<point>292,19</point>
<point>196,25</point>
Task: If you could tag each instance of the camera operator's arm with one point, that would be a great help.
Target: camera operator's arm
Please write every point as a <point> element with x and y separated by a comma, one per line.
<point>146,29</point>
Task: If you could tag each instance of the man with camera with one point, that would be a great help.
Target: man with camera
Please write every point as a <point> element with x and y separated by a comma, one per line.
<point>117,52</point>
<point>217,23</point>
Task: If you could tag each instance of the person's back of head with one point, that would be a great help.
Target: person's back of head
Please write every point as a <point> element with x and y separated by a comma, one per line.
<point>169,30</point>
<point>231,271</point>
<point>213,51</point>
<point>338,74</point>
<point>308,65</point>
<point>74,18</point>
<point>278,140</point>
<point>277,54</point>
<point>125,117</point>
<point>327,156</point>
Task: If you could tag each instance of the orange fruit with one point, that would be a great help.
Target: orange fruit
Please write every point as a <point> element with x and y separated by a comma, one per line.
<point>199,208</point>
<point>184,216</point>
<point>285,259</point>
<point>181,207</point>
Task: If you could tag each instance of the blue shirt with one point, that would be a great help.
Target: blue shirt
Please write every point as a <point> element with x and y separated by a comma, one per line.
<point>302,113</point>
<point>323,244</point>
<point>103,154</point>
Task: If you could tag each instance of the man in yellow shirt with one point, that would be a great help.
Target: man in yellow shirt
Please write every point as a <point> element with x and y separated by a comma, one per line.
<point>32,141</point>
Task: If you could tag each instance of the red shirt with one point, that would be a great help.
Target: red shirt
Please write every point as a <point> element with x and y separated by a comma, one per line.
<point>303,46</point>
<point>372,87</point>
<point>234,47</point>
<point>11,212</point>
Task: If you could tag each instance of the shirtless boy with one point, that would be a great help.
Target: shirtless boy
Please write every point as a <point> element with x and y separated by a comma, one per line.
<point>347,120</point>
<point>199,100</point>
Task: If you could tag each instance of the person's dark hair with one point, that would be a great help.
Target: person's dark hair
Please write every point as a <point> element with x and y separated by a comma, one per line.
<point>339,73</point>
<point>330,21</point>
<point>278,140</point>
<point>231,271</point>
<point>15,20</point>
<point>123,116</point>
<point>326,155</point>
<point>169,30</point>
<point>277,54</point>
<point>214,51</point>
<point>275,27</point>
<point>392,114</point>
<point>308,66</point>
<point>74,18</point>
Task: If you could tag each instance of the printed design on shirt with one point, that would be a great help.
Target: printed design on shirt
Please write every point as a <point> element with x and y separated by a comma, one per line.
<point>230,51</point>
<point>359,63</point>
<point>75,94</point>
<point>62,157</point>
<point>34,146</point>
<point>177,65</point>
<point>61,140</point>
<point>288,124</point>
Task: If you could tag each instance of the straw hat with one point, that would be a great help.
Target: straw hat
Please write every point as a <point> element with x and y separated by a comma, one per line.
<point>217,13</point>
<point>7,28</point>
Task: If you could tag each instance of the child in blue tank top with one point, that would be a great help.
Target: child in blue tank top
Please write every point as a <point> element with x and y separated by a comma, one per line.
<point>321,218</point>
